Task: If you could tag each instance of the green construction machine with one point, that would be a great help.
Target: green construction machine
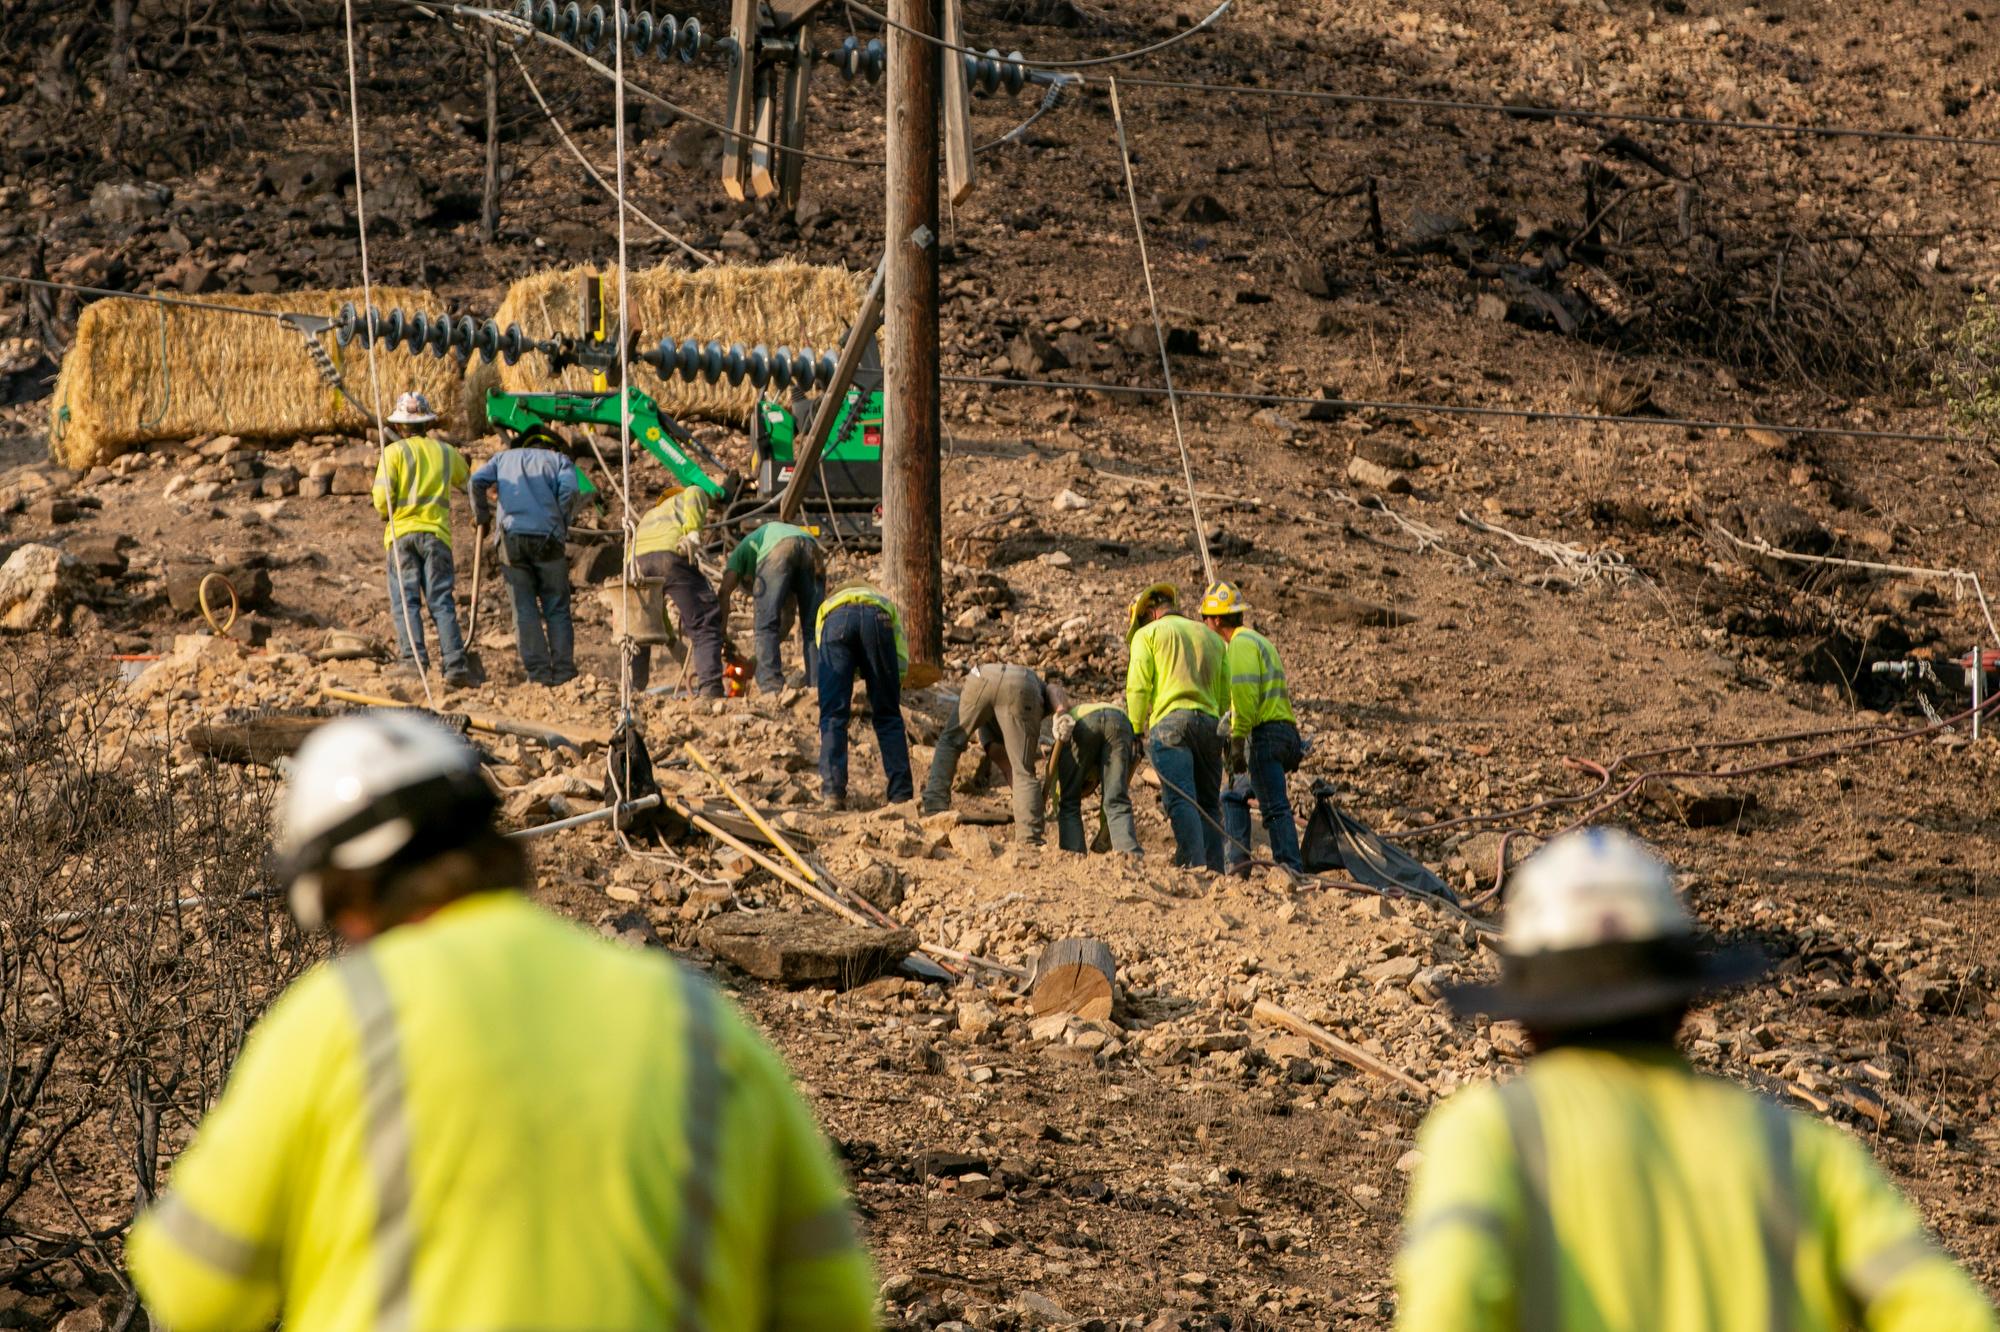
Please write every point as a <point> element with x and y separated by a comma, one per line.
<point>847,498</point>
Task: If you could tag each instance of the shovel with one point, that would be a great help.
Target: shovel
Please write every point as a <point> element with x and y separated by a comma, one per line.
<point>472,661</point>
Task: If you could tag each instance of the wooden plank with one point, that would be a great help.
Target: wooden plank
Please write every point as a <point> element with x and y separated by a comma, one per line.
<point>1075,976</point>
<point>959,169</point>
<point>740,97</point>
<point>1273,1015</point>
<point>764,119</point>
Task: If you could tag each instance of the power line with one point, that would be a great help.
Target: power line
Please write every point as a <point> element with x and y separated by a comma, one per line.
<point>1454,409</point>
<point>1086,63</point>
<point>214,306</point>
<point>1160,336</point>
<point>514,24</point>
<point>1566,112</point>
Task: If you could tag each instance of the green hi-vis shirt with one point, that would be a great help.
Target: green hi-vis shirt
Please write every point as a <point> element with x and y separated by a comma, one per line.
<point>1257,689</point>
<point>1614,1189</point>
<point>752,549</point>
<point>670,521</point>
<point>491,1119</point>
<point>1177,663</point>
<point>413,485</point>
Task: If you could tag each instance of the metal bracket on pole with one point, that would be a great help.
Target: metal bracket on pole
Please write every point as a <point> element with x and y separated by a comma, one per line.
<point>805,462</point>
<point>766,100</point>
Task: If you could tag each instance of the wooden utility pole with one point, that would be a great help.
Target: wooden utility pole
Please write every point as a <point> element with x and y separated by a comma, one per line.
<point>912,544</point>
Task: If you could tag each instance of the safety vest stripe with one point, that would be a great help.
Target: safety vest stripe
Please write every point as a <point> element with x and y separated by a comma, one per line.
<point>1539,1289</point>
<point>1482,1219</point>
<point>821,1234</point>
<point>1872,1277</point>
<point>386,1123</point>
<point>1778,1221</point>
<point>702,1119</point>
<point>231,1255</point>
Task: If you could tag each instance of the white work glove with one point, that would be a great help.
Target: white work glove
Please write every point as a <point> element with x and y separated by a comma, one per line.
<point>689,547</point>
<point>1228,722</point>
<point>1064,727</point>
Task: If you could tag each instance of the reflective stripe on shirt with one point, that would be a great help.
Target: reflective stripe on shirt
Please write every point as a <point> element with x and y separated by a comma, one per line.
<point>199,1237</point>
<point>386,1123</point>
<point>702,1122</point>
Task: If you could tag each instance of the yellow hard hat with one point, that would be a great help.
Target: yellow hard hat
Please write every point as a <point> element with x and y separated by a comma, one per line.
<point>1146,600</point>
<point>1223,599</point>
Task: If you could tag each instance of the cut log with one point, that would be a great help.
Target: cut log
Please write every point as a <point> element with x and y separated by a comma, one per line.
<point>1076,976</point>
<point>796,949</point>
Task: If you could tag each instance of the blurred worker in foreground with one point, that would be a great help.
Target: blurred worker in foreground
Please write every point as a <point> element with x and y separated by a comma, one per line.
<point>1095,749</point>
<point>663,553</point>
<point>533,484</point>
<point>413,486</point>
<point>1263,741</point>
<point>1012,700</point>
<point>1176,689</point>
<point>860,633</point>
<point>784,566</point>
<point>480,1115</point>
<point>1610,1186</point>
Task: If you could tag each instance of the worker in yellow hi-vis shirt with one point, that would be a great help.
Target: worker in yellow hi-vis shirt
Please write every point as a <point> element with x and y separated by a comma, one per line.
<point>480,1115</point>
<point>1611,1187</point>
<point>1176,690</point>
<point>413,485</point>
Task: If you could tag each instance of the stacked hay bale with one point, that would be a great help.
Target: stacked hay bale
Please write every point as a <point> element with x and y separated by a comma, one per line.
<point>138,372</point>
<point>781,304</point>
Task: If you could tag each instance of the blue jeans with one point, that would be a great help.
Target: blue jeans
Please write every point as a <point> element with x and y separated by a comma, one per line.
<point>859,640</point>
<point>1186,750</point>
<point>1275,750</point>
<point>787,575</point>
<point>426,580</point>
<point>537,574</point>
<point>1098,756</point>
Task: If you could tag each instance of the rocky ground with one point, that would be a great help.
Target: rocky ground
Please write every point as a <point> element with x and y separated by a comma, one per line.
<point>1465,606</point>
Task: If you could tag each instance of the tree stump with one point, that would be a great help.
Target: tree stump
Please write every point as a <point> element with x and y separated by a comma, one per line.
<point>1075,976</point>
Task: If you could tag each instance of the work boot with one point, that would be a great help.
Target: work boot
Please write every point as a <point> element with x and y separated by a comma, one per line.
<point>460,679</point>
<point>832,804</point>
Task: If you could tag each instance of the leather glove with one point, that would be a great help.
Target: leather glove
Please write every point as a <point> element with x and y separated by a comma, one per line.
<point>1064,727</point>
<point>1239,753</point>
<point>689,546</point>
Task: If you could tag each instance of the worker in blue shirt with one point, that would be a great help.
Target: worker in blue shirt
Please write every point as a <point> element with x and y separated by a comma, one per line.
<point>535,486</point>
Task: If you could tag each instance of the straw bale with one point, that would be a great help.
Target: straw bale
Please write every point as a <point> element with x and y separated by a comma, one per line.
<point>138,372</point>
<point>782,304</point>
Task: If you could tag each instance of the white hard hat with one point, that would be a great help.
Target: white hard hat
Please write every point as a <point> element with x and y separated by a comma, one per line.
<point>1595,934</point>
<point>371,789</point>
<point>1592,886</point>
<point>412,409</point>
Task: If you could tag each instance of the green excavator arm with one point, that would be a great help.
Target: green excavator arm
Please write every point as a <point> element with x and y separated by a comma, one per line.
<point>652,430</point>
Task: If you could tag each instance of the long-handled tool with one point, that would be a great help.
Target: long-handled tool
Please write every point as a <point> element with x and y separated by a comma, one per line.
<point>472,658</point>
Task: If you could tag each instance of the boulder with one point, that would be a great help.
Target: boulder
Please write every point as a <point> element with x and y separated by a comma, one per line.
<point>37,584</point>
<point>184,577</point>
<point>126,203</point>
<point>797,949</point>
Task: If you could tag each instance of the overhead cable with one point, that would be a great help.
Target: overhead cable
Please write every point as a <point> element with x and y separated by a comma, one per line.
<point>513,24</point>
<point>1087,63</point>
<point>1160,336</point>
